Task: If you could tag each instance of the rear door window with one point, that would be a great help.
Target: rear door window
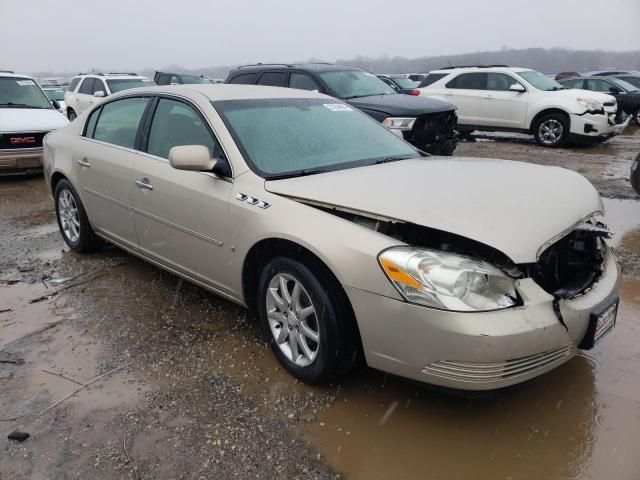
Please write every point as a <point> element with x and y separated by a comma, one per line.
<point>272,79</point>
<point>244,78</point>
<point>118,123</point>
<point>87,86</point>
<point>469,81</point>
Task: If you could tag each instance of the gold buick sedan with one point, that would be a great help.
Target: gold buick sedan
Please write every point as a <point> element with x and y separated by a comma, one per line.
<point>350,244</point>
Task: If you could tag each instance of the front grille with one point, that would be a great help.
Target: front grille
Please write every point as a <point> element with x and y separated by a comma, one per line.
<point>472,372</point>
<point>21,140</point>
<point>433,128</point>
<point>572,264</point>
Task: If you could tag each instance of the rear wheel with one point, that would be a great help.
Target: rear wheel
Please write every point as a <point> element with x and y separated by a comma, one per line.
<point>551,130</point>
<point>305,321</point>
<point>636,116</point>
<point>72,219</point>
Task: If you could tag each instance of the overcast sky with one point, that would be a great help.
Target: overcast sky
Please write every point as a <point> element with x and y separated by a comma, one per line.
<point>71,35</point>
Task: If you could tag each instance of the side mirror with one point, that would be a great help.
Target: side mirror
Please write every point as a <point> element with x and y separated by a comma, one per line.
<point>55,104</point>
<point>99,94</point>
<point>191,157</point>
<point>516,87</point>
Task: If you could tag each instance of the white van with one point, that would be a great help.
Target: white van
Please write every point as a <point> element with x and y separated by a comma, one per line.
<point>26,116</point>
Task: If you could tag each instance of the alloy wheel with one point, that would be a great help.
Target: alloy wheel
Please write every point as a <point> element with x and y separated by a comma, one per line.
<point>550,131</point>
<point>69,216</point>
<point>292,319</point>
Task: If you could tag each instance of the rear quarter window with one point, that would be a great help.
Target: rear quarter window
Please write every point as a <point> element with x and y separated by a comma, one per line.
<point>432,78</point>
<point>73,84</point>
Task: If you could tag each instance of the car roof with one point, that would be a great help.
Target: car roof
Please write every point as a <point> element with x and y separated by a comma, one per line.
<point>312,67</point>
<point>15,75</point>
<point>223,91</point>
<point>482,69</point>
<point>110,75</point>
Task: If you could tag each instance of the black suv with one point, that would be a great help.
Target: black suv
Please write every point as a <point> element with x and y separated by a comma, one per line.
<point>427,123</point>
<point>168,78</point>
<point>627,95</point>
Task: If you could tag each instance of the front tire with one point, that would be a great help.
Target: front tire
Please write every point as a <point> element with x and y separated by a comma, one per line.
<point>551,130</point>
<point>305,321</point>
<point>636,117</point>
<point>71,115</point>
<point>72,219</point>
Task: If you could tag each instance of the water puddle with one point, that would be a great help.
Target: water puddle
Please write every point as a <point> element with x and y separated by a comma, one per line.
<point>622,217</point>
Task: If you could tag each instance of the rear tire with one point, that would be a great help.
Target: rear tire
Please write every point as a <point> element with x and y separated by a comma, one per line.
<point>297,305</point>
<point>72,219</point>
<point>636,117</point>
<point>551,130</point>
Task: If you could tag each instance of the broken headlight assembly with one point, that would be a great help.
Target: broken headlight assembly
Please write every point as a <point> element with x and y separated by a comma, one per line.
<point>399,123</point>
<point>447,281</point>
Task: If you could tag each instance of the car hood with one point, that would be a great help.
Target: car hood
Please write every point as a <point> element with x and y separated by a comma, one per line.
<point>399,105</point>
<point>30,120</point>
<point>516,208</point>
<point>574,93</point>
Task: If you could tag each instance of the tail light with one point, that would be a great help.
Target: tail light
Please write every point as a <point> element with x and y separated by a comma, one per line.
<point>415,92</point>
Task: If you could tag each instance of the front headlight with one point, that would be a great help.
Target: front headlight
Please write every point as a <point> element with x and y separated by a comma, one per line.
<point>399,123</point>
<point>589,103</point>
<point>447,281</point>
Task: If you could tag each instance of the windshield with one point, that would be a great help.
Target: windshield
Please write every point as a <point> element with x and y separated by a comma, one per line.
<point>57,94</point>
<point>626,85</point>
<point>119,85</point>
<point>540,81</point>
<point>290,137</point>
<point>404,82</point>
<point>16,92</point>
<point>355,83</point>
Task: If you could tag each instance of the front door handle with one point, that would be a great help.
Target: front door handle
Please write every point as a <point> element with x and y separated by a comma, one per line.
<point>83,162</point>
<point>144,183</point>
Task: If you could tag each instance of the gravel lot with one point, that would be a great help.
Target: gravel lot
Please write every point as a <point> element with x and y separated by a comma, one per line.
<point>192,392</point>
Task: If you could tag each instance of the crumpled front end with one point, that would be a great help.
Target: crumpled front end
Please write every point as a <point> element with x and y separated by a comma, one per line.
<point>434,133</point>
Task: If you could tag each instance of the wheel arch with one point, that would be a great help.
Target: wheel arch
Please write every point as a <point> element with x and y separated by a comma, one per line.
<point>546,111</point>
<point>266,249</point>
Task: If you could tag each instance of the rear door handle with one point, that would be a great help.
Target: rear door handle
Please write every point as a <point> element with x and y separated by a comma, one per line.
<point>144,183</point>
<point>83,162</point>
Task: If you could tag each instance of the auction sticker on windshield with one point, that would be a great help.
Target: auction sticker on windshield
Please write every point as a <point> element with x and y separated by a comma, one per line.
<point>337,107</point>
<point>24,83</point>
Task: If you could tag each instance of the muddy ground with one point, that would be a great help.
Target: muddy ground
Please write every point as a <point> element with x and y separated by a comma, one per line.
<point>192,392</point>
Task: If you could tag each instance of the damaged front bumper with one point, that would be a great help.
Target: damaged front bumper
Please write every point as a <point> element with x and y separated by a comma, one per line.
<point>596,126</point>
<point>479,350</point>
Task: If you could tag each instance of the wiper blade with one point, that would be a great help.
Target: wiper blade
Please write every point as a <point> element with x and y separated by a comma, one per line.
<point>18,105</point>
<point>361,96</point>
<point>391,159</point>
<point>300,173</point>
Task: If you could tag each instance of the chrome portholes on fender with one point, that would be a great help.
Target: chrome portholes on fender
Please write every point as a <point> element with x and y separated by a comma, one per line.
<point>252,200</point>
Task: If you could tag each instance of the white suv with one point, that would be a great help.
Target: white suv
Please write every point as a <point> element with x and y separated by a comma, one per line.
<point>86,89</point>
<point>500,98</point>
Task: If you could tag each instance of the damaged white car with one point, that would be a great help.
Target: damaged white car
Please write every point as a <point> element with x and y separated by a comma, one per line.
<point>349,244</point>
